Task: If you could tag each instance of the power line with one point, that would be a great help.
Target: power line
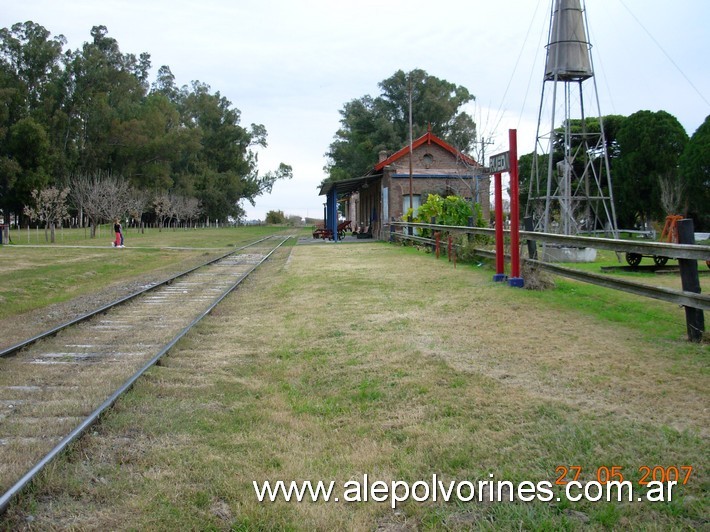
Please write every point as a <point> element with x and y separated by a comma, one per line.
<point>664,52</point>
<point>500,113</point>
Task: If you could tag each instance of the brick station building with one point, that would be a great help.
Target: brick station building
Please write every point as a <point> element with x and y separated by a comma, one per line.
<point>382,195</point>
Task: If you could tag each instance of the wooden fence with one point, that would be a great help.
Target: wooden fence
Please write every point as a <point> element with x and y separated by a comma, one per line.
<point>694,301</point>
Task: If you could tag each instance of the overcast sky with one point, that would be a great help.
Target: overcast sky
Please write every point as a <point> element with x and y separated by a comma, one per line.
<point>292,65</point>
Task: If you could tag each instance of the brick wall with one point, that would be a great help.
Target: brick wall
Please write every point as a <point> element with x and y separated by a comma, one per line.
<point>435,171</point>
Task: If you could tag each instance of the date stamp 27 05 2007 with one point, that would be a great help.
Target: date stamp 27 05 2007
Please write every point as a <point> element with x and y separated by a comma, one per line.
<point>606,474</point>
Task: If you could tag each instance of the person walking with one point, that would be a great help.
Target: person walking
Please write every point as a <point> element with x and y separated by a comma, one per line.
<point>118,243</point>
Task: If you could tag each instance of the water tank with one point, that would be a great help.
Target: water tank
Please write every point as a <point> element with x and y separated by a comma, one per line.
<point>568,48</point>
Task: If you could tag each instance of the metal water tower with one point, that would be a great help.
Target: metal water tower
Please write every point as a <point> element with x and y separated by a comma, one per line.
<point>570,186</point>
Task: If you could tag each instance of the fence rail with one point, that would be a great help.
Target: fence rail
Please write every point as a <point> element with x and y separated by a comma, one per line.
<point>673,251</point>
<point>683,251</point>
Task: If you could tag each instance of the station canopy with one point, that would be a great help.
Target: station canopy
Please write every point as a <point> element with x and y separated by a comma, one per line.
<point>348,186</point>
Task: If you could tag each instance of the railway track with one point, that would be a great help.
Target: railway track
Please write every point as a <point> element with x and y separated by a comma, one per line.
<point>55,385</point>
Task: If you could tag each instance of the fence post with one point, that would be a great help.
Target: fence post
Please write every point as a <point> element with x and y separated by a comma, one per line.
<point>470,224</point>
<point>532,245</point>
<point>392,230</point>
<point>515,279</point>
<point>500,275</point>
<point>690,281</point>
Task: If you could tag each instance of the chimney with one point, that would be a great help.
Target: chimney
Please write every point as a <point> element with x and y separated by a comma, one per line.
<point>382,155</point>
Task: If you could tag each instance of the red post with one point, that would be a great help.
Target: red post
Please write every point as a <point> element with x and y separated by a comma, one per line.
<point>437,235</point>
<point>515,279</point>
<point>500,253</point>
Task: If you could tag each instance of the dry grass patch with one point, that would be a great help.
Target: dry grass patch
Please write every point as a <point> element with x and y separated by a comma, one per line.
<point>371,359</point>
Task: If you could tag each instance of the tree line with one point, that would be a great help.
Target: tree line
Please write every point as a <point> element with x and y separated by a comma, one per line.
<point>89,122</point>
<point>371,124</point>
<point>656,168</point>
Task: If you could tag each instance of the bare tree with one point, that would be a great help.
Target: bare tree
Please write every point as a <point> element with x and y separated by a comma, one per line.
<point>162,207</point>
<point>80,187</point>
<point>116,197</point>
<point>672,192</point>
<point>138,201</point>
<point>100,197</point>
<point>193,209</point>
<point>50,207</point>
<point>177,207</point>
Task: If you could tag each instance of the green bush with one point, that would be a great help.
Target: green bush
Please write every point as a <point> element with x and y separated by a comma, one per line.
<point>451,210</point>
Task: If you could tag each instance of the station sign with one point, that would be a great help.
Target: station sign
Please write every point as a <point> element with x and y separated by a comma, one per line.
<point>499,163</point>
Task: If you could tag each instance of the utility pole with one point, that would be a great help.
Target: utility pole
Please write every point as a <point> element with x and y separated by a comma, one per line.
<point>411,193</point>
<point>482,162</point>
<point>484,143</point>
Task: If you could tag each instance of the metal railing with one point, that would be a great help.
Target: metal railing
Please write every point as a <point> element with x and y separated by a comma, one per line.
<point>673,251</point>
<point>680,251</point>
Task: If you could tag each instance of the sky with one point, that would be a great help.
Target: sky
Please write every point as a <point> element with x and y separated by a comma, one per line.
<point>292,65</point>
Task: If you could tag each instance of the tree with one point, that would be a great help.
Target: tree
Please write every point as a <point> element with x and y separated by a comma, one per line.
<point>31,96</point>
<point>138,201</point>
<point>225,168</point>
<point>100,197</point>
<point>115,197</point>
<point>89,112</point>
<point>695,172</point>
<point>275,217</point>
<point>28,143</point>
<point>294,220</point>
<point>162,207</point>
<point>191,209</point>
<point>671,194</point>
<point>526,182</point>
<point>27,51</point>
<point>650,146</point>
<point>107,90</point>
<point>50,207</point>
<point>182,208</point>
<point>369,125</point>
<point>257,185</point>
<point>531,165</point>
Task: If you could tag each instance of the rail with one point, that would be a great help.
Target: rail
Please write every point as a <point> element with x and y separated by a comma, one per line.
<point>685,251</point>
<point>89,420</point>
<point>11,350</point>
<point>673,251</point>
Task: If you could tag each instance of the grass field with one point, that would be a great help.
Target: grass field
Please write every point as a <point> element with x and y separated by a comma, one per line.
<point>147,237</point>
<point>35,277</point>
<point>341,361</point>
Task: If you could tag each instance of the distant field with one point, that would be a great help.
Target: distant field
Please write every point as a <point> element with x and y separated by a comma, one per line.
<point>34,277</point>
<point>153,237</point>
<point>339,361</point>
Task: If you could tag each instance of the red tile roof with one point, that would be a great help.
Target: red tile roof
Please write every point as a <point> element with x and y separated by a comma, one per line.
<point>427,138</point>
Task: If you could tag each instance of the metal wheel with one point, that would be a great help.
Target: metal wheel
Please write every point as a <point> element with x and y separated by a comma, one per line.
<point>660,261</point>
<point>634,259</point>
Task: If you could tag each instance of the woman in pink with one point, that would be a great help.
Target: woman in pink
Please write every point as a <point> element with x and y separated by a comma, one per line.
<point>118,243</point>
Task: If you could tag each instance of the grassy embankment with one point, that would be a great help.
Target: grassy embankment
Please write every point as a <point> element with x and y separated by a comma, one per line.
<point>372,359</point>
